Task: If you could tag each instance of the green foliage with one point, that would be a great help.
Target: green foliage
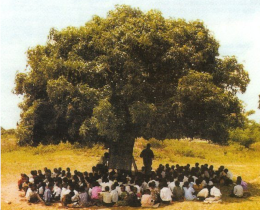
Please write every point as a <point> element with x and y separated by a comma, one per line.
<point>247,135</point>
<point>7,132</point>
<point>127,75</point>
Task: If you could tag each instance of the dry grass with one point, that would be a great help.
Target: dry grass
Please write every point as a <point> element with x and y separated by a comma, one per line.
<point>241,161</point>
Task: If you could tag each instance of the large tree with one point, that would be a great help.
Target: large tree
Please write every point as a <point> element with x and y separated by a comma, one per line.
<point>127,75</point>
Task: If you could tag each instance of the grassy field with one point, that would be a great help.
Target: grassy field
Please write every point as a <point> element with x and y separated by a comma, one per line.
<point>241,161</point>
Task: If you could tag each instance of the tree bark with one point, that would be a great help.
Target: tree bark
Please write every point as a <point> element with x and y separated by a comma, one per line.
<point>120,155</point>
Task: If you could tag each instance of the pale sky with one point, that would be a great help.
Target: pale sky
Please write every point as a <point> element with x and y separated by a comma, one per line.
<point>26,23</point>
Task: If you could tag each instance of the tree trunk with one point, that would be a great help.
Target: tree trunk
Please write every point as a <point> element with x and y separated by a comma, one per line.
<point>120,155</point>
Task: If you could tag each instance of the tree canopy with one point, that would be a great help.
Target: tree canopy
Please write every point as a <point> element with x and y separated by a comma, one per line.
<point>127,75</point>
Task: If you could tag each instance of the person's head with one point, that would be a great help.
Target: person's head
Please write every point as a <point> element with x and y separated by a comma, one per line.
<point>197,182</point>
<point>190,180</point>
<point>177,183</point>
<point>147,192</point>
<point>148,146</point>
<point>122,188</point>
<point>107,188</point>
<point>75,172</point>
<point>82,189</point>
<point>134,190</point>
<point>113,187</point>
<point>152,184</point>
<point>186,184</point>
<point>68,169</point>
<point>238,182</point>
<point>239,178</point>
<point>68,175</point>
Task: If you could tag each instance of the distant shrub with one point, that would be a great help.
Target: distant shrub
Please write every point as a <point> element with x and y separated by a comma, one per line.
<point>155,143</point>
<point>247,135</point>
<point>7,131</point>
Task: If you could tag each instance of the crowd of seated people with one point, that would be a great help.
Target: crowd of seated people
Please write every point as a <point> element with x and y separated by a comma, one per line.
<point>103,187</point>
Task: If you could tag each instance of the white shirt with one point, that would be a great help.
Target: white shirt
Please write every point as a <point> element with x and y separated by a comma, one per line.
<point>62,192</point>
<point>203,193</point>
<point>229,175</point>
<point>90,192</point>
<point>166,194</point>
<point>114,195</point>
<point>181,184</point>
<point>204,183</point>
<point>195,178</point>
<point>188,193</point>
<point>107,197</point>
<point>57,191</point>
<point>171,185</point>
<point>185,179</point>
<point>75,197</point>
<point>105,184</point>
<point>29,193</point>
<point>138,188</point>
<point>118,189</point>
<point>40,191</point>
<point>238,191</point>
<point>215,192</point>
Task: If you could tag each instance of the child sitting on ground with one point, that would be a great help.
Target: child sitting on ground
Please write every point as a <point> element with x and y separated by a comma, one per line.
<point>166,194</point>
<point>31,195</point>
<point>203,194</point>
<point>147,200</point>
<point>177,192</point>
<point>123,197</point>
<point>188,192</point>
<point>215,196</point>
<point>106,197</point>
<point>237,191</point>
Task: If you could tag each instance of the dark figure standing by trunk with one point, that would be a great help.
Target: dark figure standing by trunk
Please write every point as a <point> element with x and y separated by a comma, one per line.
<point>147,155</point>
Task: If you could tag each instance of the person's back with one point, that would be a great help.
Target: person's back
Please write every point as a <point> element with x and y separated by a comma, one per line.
<point>147,155</point>
<point>238,191</point>
<point>166,194</point>
<point>146,200</point>
<point>133,199</point>
<point>178,193</point>
<point>107,197</point>
<point>83,198</point>
<point>203,194</point>
<point>47,195</point>
<point>188,192</point>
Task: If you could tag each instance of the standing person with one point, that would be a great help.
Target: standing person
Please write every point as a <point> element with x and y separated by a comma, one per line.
<point>147,155</point>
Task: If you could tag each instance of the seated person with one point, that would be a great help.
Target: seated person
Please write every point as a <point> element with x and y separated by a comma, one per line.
<point>237,191</point>
<point>96,189</point>
<point>31,195</point>
<point>106,197</point>
<point>114,194</point>
<point>21,181</point>
<point>198,186</point>
<point>203,194</point>
<point>215,195</point>
<point>133,199</point>
<point>47,197</point>
<point>178,193</point>
<point>188,192</point>
<point>165,194</point>
<point>154,192</point>
<point>147,200</point>
<point>123,197</point>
